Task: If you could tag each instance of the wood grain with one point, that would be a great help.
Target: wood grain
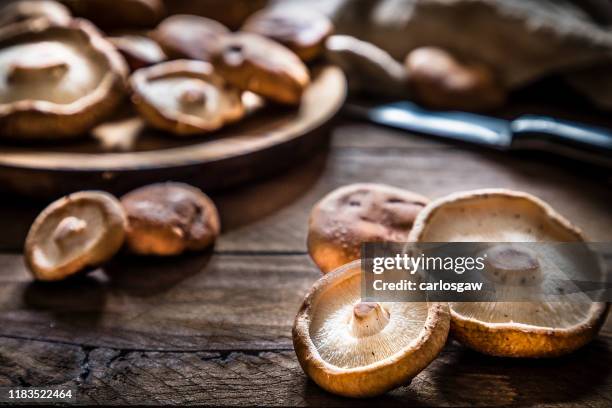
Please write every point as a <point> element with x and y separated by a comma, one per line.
<point>199,302</point>
<point>274,378</point>
<point>220,335</point>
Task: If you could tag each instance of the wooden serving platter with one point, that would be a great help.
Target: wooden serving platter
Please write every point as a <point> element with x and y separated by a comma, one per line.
<point>124,153</point>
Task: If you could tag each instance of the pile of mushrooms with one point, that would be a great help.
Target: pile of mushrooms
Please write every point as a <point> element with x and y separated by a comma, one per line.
<point>61,76</point>
<point>353,347</point>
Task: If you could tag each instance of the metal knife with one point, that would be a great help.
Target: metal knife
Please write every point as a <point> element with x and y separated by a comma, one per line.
<point>528,132</point>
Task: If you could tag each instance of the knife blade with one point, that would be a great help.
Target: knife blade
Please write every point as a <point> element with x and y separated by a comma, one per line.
<point>527,132</point>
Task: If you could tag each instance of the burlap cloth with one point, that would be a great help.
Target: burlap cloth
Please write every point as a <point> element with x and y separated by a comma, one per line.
<point>522,40</point>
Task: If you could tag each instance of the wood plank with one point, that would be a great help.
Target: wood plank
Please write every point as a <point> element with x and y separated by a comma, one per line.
<point>204,302</point>
<point>215,329</point>
<point>275,218</point>
<point>274,378</point>
<point>271,215</point>
<point>198,302</point>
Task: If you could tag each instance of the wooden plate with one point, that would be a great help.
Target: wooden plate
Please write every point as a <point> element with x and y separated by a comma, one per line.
<point>124,153</point>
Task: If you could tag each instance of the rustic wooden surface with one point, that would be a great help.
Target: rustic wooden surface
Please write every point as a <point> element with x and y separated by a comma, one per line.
<point>214,328</point>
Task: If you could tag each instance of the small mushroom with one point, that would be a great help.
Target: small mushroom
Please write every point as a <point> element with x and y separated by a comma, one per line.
<point>512,329</point>
<point>75,233</point>
<point>351,215</point>
<point>362,349</point>
<point>301,29</point>
<point>191,37</point>
<point>139,51</point>
<point>439,80</point>
<point>119,14</point>
<point>57,81</point>
<point>229,13</point>
<point>255,63</point>
<point>170,218</point>
<point>185,97</point>
<point>24,10</point>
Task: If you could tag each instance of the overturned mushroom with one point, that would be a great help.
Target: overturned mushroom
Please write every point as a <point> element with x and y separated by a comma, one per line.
<point>362,349</point>
<point>23,10</point>
<point>185,97</point>
<point>57,81</point>
<point>76,232</point>
<point>511,329</point>
<point>351,215</point>
<point>439,80</point>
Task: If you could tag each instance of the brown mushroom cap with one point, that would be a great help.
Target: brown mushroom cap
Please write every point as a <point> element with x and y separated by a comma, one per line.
<point>185,97</point>
<point>441,81</point>
<point>362,349</point>
<point>56,81</point>
<point>191,37</point>
<point>229,13</point>
<point>119,13</point>
<point>170,218</point>
<point>511,329</point>
<point>301,29</point>
<point>351,215</point>
<point>139,51</point>
<point>23,10</point>
<point>255,63</point>
<point>76,232</point>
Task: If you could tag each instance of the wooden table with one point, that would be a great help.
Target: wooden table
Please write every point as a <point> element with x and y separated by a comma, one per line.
<point>215,328</point>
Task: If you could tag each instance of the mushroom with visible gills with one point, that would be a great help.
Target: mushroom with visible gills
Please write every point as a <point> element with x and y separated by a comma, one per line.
<point>362,349</point>
<point>76,232</point>
<point>185,97</point>
<point>57,80</point>
<point>507,218</point>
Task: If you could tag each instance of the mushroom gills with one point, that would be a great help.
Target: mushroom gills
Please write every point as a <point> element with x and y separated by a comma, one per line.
<point>349,333</point>
<point>179,95</point>
<point>69,236</point>
<point>526,318</point>
<point>46,71</point>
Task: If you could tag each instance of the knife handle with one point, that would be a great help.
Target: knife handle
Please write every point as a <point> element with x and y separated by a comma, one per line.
<point>531,131</point>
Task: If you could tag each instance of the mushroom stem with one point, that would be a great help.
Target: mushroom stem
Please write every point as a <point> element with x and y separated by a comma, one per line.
<point>68,228</point>
<point>193,97</point>
<point>512,265</point>
<point>26,70</point>
<point>368,318</point>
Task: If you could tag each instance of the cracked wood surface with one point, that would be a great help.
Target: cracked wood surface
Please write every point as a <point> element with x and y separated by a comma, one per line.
<point>214,328</point>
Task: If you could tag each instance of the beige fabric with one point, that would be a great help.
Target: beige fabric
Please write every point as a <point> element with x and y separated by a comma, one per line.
<point>523,40</point>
